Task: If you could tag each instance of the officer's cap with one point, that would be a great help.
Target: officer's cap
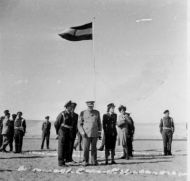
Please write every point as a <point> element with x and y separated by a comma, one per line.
<point>122,107</point>
<point>90,103</point>
<point>110,105</point>
<point>47,117</point>
<point>166,111</point>
<point>69,103</point>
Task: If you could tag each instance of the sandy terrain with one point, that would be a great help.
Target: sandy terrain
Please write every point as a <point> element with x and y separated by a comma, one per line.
<point>147,157</point>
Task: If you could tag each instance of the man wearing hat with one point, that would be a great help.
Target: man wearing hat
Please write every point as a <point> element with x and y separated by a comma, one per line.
<point>74,117</point>
<point>5,131</point>
<point>89,126</point>
<point>63,127</point>
<point>167,130</point>
<point>19,132</point>
<point>131,133</point>
<point>46,127</point>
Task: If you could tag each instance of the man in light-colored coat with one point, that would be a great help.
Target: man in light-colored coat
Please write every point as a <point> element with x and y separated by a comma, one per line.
<point>89,126</point>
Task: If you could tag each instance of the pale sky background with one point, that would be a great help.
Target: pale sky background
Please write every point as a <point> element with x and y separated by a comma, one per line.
<point>140,50</point>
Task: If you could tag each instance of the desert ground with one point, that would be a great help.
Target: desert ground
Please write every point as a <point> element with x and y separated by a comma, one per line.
<point>147,164</point>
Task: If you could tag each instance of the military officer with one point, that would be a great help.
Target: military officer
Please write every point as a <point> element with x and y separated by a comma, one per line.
<point>131,133</point>
<point>19,132</point>
<point>89,126</point>
<point>63,127</point>
<point>74,117</point>
<point>5,131</point>
<point>11,138</point>
<point>167,130</point>
<point>46,127</point>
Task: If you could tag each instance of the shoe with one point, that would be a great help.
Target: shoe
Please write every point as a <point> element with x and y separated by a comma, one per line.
<point>123,157</point>
<point>62,165</point>
<point>170,153</point>
<point>85,164</point>
<point>113,162</point>
<point>106,163</point>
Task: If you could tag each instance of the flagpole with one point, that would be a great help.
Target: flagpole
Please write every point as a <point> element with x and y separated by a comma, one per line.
<point>93,57</point>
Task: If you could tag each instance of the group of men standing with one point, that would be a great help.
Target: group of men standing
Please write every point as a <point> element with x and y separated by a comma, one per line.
<point>88,126</point>
<point>12,130</point>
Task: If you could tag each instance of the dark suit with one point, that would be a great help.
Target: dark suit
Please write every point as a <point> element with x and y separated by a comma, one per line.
<point>110,133</point>
<point>63,126</point>
<point>19,132</point>
<point>74,117</point>
<point>46,127</point>
<point>167,130</point>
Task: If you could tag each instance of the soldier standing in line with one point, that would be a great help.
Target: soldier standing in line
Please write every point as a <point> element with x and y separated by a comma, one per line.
<point>5,131</point>
<point>46,127</point>
<point>131,133</point>
<point>74,117</point>
<point>63,127</point>
<point>89,125</point>
<point>167,130</point>
<point>110,132</point>
<point>19,132</point>
<point>1,128</point>
<point>123,124</point>
<point>11,138</point>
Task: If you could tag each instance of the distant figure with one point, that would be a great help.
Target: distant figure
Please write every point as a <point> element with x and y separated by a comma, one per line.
<point>123,124</point>
<point>11,138</point>
<point>110,132</point>
<point>19,130</point>
<point>1,128</point>
<point>5,131</point>
<point>74,117</point>
<point>46,127</point>
<point>131,133</point>
<point>167,130</point>
<point>63,127</point>
<point>89,125</point>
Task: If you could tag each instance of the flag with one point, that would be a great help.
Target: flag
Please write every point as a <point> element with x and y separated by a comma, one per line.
<point>78,33</point>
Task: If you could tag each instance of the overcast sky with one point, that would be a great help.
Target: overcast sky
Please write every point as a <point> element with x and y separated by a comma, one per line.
<point>140,52</point>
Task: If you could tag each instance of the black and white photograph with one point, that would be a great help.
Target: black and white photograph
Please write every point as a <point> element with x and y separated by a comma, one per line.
<point>94,90</point>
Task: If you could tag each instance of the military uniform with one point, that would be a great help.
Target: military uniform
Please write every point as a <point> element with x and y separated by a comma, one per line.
<point>89,125</point>
<point>123,124</point>
<point>46,127</point>
<point>110,134</point>
<point>167,130</point>
<point>74,117</point>
<point>5,133</point>
<point>63,126</point>
<point>131,133</point>
<point>19,132</point>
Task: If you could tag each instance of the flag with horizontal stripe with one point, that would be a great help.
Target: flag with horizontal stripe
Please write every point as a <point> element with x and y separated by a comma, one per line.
<point>78,33</point>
